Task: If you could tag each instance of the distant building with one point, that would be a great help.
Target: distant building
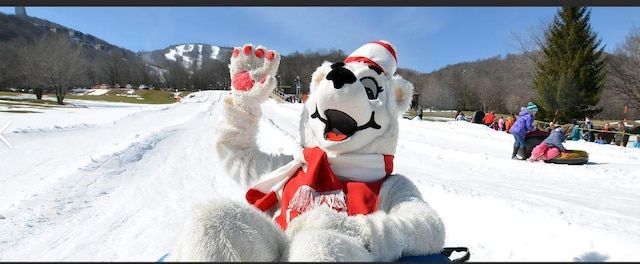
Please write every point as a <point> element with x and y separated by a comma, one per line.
<point>21,11</point>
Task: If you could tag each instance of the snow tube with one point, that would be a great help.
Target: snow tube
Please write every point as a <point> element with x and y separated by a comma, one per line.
<point>571,157</point>
<point>444,256</point>
<point>477,117</point>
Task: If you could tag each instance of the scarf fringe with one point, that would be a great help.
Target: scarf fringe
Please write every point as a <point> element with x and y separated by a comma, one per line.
<point>307,198</point>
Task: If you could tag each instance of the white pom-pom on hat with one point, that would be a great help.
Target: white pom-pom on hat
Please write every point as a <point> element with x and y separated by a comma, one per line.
<point>378,53</point>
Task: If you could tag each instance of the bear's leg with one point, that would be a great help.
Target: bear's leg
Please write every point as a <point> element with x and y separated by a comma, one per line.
<point>230,231</point>
<point>325,246</point>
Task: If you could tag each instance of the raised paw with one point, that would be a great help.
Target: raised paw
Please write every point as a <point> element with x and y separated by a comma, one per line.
<point>250,65</point>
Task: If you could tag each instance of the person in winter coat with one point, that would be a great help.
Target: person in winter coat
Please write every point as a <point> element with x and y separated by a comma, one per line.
<point>602,136</point>
<point>637,143</point>
<point>489,118</point>
<point>575,131</point>
<point>509,123</point>
<point>501,124</point>
<point>587,133</point>
<point>550,147</point>
<point>419,112</point>
<point>618,138</point>
<point>523,125</point>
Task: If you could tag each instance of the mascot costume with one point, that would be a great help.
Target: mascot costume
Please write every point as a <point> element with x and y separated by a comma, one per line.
<point>335,198</point>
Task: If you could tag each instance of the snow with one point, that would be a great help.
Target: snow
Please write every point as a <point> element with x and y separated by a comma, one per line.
<point>98,92</point>
<point>115,182</point>
<point>187,61</point>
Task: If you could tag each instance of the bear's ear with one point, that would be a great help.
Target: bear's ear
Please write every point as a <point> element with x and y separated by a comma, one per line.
<point>403,93</point>
<point>319,74</point>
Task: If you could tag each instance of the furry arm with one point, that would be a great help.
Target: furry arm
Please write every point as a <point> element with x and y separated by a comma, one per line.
<point>236,145</point>
<point>235,137</point>
<point>404,225</point>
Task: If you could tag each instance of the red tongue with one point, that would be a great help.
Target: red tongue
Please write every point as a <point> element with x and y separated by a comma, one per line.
<point>335,137</point>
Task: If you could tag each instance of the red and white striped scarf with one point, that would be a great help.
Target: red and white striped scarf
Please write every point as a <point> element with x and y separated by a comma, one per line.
<point>318,186</point>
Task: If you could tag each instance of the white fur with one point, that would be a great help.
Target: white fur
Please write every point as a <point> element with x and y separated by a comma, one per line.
<point>404,224</point>
<point>227,230</point>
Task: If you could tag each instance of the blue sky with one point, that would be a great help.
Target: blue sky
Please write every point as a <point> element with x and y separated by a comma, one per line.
<point>426,38</point>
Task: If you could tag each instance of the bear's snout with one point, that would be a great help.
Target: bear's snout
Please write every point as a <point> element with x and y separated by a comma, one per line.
<point>340,75</point>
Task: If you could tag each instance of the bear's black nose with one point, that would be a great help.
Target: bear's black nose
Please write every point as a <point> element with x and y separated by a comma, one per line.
<point>339,75</point>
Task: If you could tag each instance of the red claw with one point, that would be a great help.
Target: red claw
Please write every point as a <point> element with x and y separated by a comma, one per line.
<point>236,52</point>
<point>270,55</point>
<point>247,50</point>
<point>260,53</point>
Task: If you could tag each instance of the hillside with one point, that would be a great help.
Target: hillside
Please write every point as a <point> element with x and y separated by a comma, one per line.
<point>500,83</point>
<point>187,54</point>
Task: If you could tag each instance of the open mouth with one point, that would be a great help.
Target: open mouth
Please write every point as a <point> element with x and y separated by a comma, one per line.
<point>340,126</point>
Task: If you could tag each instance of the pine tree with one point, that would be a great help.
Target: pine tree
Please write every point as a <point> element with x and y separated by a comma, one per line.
<point>570,78</point>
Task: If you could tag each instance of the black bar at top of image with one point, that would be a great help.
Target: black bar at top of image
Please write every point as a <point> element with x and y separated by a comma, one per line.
<point>320,3</point>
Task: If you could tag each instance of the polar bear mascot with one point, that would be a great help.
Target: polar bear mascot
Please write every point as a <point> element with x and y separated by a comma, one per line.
<point>335,198</point>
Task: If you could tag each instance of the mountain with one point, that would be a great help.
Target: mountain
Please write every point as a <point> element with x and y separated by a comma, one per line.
<point>188,54</point>
<point>31,28</point>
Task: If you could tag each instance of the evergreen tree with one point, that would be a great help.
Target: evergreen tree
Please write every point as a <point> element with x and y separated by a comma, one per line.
<point>570,78</point>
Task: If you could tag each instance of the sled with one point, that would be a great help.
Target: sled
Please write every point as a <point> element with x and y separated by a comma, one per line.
<point>444,256</point>
<point>571,157</point>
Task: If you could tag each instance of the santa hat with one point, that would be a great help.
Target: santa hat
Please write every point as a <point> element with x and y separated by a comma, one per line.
<point>376,53</point>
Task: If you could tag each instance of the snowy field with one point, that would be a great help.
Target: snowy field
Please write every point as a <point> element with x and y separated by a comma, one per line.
<point>115,182</point>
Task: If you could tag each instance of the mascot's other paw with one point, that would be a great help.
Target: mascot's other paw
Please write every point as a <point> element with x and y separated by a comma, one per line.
<point>325,246</point>
<point>228,230</point>
<point>325,218</point>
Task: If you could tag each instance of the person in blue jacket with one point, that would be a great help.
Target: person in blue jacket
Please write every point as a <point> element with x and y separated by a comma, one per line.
<point>550,147</point>
<point>575,132</point>
<point>523,125</point>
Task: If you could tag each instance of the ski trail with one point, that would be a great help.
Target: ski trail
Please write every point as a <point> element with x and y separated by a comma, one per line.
<point>77,193</point>
<point>177,154</point>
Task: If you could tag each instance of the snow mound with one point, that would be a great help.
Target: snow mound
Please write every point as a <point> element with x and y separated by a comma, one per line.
<point>98,92</point>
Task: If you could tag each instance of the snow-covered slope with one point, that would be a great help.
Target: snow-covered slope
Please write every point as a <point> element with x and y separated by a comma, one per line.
<point>115,182</point>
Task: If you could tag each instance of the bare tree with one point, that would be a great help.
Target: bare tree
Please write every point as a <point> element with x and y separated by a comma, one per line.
<point>175,76</point>
<point>114,68</point>
<point>10,68</point>
<point>624,73</point>
<point>54,62</point>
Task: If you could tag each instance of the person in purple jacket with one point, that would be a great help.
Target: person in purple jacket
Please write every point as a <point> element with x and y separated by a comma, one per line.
<point>521,127</point>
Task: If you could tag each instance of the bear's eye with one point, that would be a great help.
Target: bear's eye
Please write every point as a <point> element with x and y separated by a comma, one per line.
<point>371,87</point>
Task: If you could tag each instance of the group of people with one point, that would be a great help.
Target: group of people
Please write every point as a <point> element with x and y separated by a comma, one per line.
<point>604,135</point>
<point>498,124</point>
<point>490,120</point>
<point>552,145</point>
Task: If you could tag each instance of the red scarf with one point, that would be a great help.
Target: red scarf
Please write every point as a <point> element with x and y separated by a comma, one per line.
<point>299,190</point>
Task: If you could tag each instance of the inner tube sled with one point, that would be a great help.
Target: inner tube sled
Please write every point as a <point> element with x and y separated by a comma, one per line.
<point>571,157</point>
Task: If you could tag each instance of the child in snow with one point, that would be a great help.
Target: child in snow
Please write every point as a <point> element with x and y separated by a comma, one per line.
<point>550,147</point>
<point>523,125</point>
<point>637,143</point>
